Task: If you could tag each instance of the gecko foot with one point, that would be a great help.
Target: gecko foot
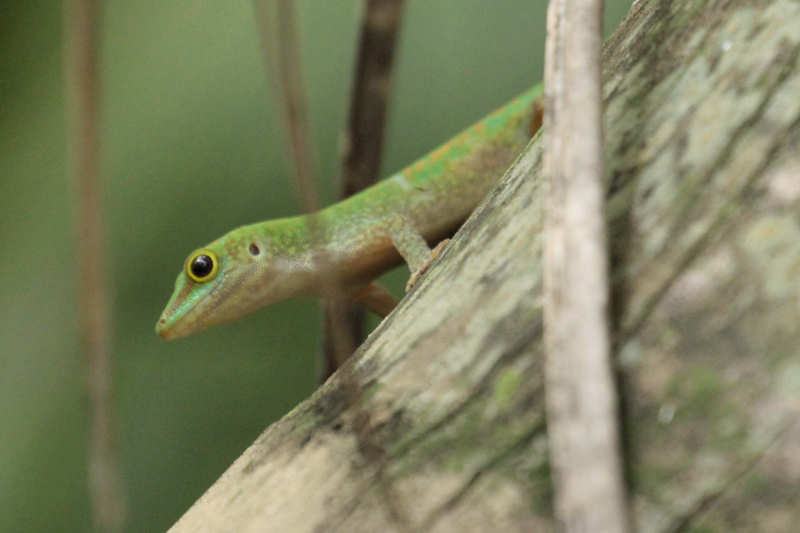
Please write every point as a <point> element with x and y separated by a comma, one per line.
<point>416,274</point>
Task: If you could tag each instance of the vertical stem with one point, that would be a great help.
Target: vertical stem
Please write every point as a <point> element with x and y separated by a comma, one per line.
<point>369,102</point>
<point>280,44</point>
<point>277,19</point>
<point>581,398</point>
<point>105,492</point>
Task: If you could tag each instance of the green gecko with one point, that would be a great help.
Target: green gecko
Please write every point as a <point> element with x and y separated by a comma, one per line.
<point>362,236</point>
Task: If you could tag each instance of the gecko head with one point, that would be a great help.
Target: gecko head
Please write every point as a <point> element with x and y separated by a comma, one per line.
<point>225,280</point>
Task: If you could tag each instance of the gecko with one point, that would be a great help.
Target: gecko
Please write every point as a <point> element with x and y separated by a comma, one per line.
<point>360,237</point>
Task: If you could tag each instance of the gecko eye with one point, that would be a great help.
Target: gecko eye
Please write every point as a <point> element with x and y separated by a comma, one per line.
<point>202,265</point>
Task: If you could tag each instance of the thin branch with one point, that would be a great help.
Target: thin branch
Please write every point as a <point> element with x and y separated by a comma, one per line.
<point>363,144</point>
<point>279,42</point>
<point>280,47</point>
<point>105,487</point>
<point>369,100</point>
<point>581,399</point>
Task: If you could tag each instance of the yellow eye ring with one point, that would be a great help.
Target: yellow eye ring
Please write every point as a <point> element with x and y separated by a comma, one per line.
<point>202,265</point>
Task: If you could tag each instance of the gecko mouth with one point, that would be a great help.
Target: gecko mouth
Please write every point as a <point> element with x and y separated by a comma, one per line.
<point>179,317</point>
<point>168,328</point>
<point>163,329</point>
<point>188,311</point>
<point>170,317</point>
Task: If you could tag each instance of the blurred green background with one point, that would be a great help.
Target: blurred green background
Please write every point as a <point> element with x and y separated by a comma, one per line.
<point>191,149</point>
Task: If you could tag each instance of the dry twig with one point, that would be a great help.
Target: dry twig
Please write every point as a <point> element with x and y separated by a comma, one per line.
<point>105,488</point>
<point>581,399</point>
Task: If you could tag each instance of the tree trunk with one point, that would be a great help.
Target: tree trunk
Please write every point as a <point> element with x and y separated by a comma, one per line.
<point>438,422</point>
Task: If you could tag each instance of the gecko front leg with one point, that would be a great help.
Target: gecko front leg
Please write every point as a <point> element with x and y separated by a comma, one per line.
<point>413,248</point>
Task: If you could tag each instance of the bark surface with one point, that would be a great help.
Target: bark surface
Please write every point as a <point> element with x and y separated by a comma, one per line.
<point>438,423</point>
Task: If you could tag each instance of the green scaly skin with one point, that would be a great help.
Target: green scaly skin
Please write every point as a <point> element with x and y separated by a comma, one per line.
<point>270,261</point>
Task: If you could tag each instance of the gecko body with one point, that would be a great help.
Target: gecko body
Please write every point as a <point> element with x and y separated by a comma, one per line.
<point>361,236</point>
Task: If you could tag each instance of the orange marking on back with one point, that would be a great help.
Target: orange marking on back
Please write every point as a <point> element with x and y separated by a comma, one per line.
<point>440,152</point>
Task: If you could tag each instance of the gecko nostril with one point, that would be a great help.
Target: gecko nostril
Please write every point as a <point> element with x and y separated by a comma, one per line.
<point>254,250</point>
